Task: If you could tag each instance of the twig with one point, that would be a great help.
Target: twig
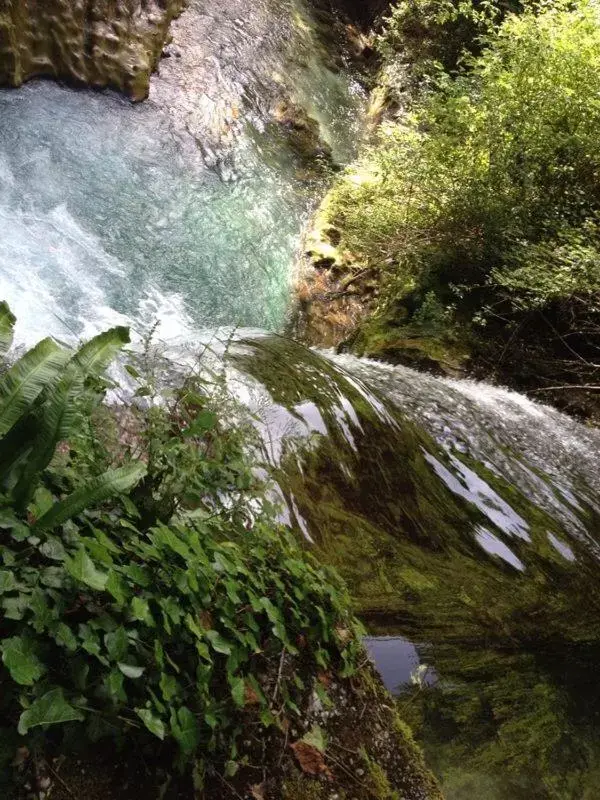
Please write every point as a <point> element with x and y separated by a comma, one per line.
<point>279,675</point>
<point>61,781</point>
<point>228,785</point>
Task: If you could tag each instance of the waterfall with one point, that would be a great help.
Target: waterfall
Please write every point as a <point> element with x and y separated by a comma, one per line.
<point>464,517</point>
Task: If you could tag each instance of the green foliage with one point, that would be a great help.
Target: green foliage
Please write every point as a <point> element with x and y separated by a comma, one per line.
<point>423,39</point>
<point>153,597</point>
<point>487,193</point>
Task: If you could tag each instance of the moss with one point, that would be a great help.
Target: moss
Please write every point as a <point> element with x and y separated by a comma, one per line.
<point>302,787</point>
<point>389,338</point>
<point>379,785</point>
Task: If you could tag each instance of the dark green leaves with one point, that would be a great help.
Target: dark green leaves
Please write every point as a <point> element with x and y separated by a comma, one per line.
<point>19,657</point>
<point>82,569</point>
<point>137,593</point>
<point>109,484</point>
<point>51,709</point>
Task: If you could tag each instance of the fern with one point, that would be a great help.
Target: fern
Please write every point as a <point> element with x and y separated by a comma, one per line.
<point>27,378</point>
<point>56,416</point>
<point>7,323</point>
<point>109,484</point>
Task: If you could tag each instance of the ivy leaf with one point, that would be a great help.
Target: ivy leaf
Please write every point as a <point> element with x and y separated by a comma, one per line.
<point>7,581</point>
<point>114,684</point>
<point>219,644</point>
<point>184,726</point>
<point>117,643</point>
<point>51,709</point>
<point>64,635</point>
<point>154,724</point>
<point>238,691</point>
<point>82,568</point>
<point>116,586</point>
<point>53,548</point>
<point>141,611</point>
<point>131,670</point>
<point>21,661</point>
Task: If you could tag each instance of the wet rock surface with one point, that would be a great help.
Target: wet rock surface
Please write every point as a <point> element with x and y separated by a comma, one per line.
<point>93,42</point>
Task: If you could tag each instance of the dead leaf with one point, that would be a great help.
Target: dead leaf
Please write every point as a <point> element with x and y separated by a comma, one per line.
<point>311,759</point>
<point>258,791</point>
<point>324,679</point>
<point>206,619</point>
<point>250,696</point>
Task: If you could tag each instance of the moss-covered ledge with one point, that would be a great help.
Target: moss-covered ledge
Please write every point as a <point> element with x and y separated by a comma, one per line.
<point>99,43</point>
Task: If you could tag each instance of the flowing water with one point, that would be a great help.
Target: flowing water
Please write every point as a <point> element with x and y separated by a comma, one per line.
<point>188,208</point>
<point>466,521</point>
<point>465,518</point>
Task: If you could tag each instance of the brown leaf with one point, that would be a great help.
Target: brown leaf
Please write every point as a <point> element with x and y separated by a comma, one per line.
<point>311,759</point>
<point>206,619</point>
<point>250,696</point>
<point>324,679</point>
<point>258,791</point>
<point>21,756</point>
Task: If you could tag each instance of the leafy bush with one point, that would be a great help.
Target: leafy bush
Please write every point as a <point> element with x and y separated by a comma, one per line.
<point>158,598</point>
<point>424,39</point>
<point>488,193</point>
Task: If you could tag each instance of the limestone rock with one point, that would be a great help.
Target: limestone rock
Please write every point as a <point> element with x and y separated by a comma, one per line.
<point>98,43</point>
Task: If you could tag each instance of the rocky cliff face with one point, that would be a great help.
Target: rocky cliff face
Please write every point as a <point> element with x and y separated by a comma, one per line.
<point>114,43</point>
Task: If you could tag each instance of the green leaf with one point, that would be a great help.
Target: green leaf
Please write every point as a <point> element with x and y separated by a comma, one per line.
<point>7,324</point>
<point>131,670</point>
<point>141,611</point>
<point>117,587</point>
<point>238,691</point>
<point>231,767</point>
<point>204,421</point>
<point>154,724</point>
<point>169,686</point>
<point>117,643</point>
<point>185,729</point>
<point>65,636</point>
<point>15,607</point>
<point>51,709</point>
<point>20,386</point>
<point>21,661</point>
<point>114,684</point>
<point>53,548</point>
<point>316,737</point>
<point>109,484</point>
<point>131,370</point>
<point>82,568</point>
<point>218,643</point>
<point>7,581</point>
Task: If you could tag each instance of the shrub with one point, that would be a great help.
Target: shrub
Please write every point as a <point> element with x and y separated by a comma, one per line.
<point>488,193</point>
<point>422,40</point>
<point>159,598</point>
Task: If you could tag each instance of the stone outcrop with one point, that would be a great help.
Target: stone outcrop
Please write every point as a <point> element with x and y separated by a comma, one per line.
<point>115,43</point>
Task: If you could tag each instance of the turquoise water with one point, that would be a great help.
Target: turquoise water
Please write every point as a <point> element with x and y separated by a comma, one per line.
<point>187,209</point>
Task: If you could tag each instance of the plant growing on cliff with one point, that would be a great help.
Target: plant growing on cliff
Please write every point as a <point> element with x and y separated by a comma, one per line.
<point>487,194</point>
<point>141,602</point>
